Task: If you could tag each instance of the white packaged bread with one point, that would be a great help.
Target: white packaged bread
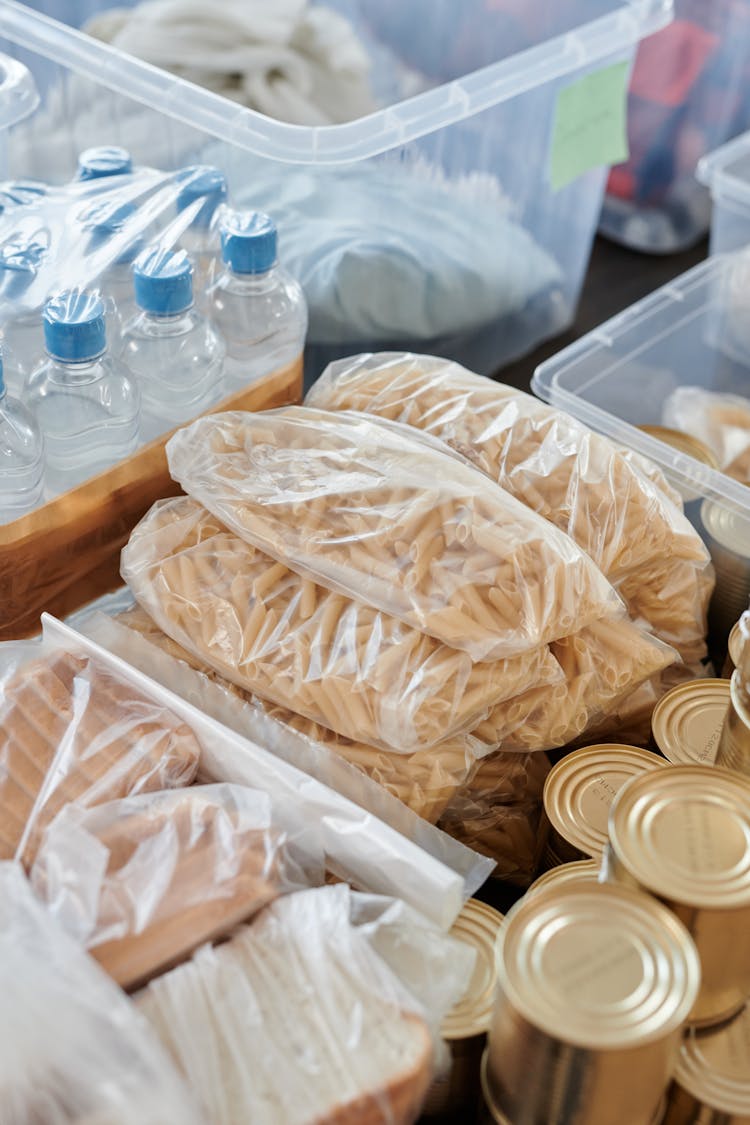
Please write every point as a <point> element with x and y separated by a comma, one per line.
<point>72,731</point>
<point>144,881</point>
<point>299,1021</point>
<point>73,1049</point>
<point>424,781</point>
<point>577,479</point>
<point>336,661</point>
<point>395,519</point>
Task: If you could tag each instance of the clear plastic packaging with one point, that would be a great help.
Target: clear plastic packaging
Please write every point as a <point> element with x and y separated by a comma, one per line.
<point>72,730</point>
<point>143,648</point>
<point>21,456</point>
<point>354,669</point>
<point>375,511</point>
<point>330,1025</point>
<point>73,1048</point>
<point>573,477</point>
<point>500,812</point>
<point>396,854</point>
<point>144,881</point>
<point>722,421</point>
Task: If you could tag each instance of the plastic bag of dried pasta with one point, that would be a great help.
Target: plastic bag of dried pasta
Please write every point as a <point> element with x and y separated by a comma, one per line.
<point>499,812</point>
<point>395,519</point>
<point>340,663</point>
<point>623,518</point>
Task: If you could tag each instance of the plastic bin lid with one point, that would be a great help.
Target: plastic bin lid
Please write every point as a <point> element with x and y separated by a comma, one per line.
<point>163,282</point>
<point>726,170</point>
<point>19,96</point>
<point>74,328</point>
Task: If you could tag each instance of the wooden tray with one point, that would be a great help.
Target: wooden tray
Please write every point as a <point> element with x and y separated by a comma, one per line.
<point>67,552</point>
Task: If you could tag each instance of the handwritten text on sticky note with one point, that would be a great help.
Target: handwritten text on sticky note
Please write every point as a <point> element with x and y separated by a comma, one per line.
<point>590,124</point>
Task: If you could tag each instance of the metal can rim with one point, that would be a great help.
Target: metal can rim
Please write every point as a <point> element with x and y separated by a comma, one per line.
<point>675,706</point>
<point>477,925</point>
<point>697,1077</point>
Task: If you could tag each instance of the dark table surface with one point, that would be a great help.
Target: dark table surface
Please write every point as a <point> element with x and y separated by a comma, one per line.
<point>616,278</point>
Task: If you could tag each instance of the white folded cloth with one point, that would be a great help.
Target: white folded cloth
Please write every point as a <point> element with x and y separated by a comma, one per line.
<point>285,58</point>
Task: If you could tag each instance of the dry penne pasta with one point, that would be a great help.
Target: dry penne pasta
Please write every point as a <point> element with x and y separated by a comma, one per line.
<point>349,667</point>
<point>425,781</point>
<point>374,511</point>
<point>620,512</point>
<point>603,665</point>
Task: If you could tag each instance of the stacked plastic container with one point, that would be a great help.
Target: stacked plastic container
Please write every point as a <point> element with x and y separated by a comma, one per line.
<point>726,173</point>
<point>689,92</point>
<point>430,224</point>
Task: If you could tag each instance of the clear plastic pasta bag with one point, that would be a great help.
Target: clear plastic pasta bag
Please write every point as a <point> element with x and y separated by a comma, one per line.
<point>602,666</point>
<point>144,881</point>
<point>348,667</point>
<point>73,1049</point>
<point>71,730</point>
<point>721,421</point>
<point>394,519</point>
<point>499,812</point>
<point>580,481</point>
<point>424,781</point>
<point>305,1016</point>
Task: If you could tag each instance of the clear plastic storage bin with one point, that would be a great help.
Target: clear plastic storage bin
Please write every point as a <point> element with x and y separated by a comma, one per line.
<point>691,335</point>
<point>689,92</point>
<point>726,173</point>
<point>429,224</point>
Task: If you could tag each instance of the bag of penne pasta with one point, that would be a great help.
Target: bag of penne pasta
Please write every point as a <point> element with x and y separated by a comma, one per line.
<point>339,663</point>
<point>625,517</point>
<point>374,511</point>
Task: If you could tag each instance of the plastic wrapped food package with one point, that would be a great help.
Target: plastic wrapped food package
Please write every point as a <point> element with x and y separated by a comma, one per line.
<point>332,1032</point>
<point>73,1048</point>
<point>424,780</point>
<point>339,662</point>
<point>144,881</point>
<point>72,730</point>
<point>722,421</point>
<point>371,510</point>
<point>499,812</point>
<point>374,843</point>
<point>573,477</point>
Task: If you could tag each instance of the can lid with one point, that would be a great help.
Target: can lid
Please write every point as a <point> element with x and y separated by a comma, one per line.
<point>685,443</point>
<point>580,789</point>
<point>683,833</point>
<point>477,925</point>
<point>687,722</point>
<point>580,871</point>
<point>735,644</point>
<point>727,528</point>
<point>599,966</point>
<point>714,1066</point>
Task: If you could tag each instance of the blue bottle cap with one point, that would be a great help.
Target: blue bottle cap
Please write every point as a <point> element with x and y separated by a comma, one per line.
<point>74,326</point>
<point>163,282</point>
<point>95,163</point>
<point>248,241</point>
<point>202,181</point>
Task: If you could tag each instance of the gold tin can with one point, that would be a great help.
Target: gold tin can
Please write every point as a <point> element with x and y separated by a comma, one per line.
<point>684,443</point>
<point>728,536</point>
<point>712,1080</point>
<point>734,648</point>
<point>578,794</point>
<point>682,834</point>
<point>465,1027</point>
<point>579,871</point>
<point>594,985</point>
<point>687,722</point>
<point>734,745</point>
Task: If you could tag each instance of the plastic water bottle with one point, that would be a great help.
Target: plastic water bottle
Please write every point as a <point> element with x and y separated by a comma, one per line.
<point>21,457</point>
<point>108,226</point>
<point>109,160</point>
<point>257,306</point>
<point>23,340</point>
<point>203,182</point>
<point>171,350</point>
<point>87,405</point>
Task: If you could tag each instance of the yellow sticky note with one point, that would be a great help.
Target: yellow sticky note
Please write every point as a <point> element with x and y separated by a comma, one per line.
<point>590,127</point>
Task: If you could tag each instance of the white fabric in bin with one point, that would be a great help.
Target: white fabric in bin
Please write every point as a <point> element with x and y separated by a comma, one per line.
<point>387,252</point>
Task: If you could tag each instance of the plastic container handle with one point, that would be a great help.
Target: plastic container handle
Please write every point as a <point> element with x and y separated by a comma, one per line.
<point>19,96</point>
